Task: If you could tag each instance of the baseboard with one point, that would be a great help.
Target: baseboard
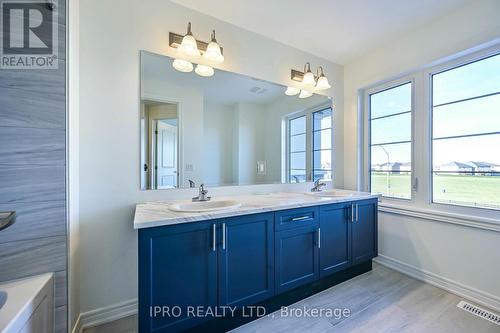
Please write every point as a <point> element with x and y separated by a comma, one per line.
<point>106,314</point>
<point>78,325</point>
<point>472,294</point>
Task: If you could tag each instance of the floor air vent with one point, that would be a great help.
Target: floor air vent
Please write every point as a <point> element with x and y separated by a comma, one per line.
<point>475,310</point>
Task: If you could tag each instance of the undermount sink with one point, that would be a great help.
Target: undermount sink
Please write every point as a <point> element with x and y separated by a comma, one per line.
<point>327,193</point>
<point>204,206</point>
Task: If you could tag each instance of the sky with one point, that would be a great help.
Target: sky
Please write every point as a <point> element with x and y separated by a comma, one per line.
<point>474,116</point>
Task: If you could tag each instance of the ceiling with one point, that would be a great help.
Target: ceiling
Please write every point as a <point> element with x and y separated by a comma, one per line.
<point>337,30</point>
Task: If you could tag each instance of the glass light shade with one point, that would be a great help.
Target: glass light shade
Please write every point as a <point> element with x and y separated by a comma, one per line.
<point>305,94</point>
<point>213,53</point>
<point>308,79</point>
<point>322,83</point>
<point>291,91</point>
<point>189,47</point>
<point>203,70</point>
<point>182,65</point>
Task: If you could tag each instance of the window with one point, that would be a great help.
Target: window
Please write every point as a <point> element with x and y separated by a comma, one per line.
<point>390,114</point>
<point>466,134</point>
<point>322,144</point>
<point>310,146</point>
<point>297,144</point>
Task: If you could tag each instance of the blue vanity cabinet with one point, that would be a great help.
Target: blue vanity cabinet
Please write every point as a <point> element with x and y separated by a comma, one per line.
<point>297,257</point>
<point>177,269</point>
<point>296,247</point>
<point>335,238</point>
<point>364,231</point>
<point>246,259</point>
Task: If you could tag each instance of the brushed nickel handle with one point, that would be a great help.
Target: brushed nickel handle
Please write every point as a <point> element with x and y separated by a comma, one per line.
<point>214,238</point>
<point>319,238</point>
<point>300,218</point>
<point>352,213</point>
<point>223,236</point>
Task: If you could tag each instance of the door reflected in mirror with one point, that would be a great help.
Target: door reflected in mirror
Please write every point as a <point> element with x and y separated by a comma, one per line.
<point>160,122</point>
<point>228,129</point>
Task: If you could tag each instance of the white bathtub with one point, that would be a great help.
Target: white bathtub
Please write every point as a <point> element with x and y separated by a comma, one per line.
<point>27,305</point>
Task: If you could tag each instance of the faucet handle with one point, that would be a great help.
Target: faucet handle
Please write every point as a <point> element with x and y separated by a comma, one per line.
<point>202,190</point>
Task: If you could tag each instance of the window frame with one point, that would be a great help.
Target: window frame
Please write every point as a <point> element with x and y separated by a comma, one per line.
<point>428,74</point>
<point>312,142</point>
<point>422,143</point>
<point>378,88</point>
<point>308,113</point>
<point>288,146</point>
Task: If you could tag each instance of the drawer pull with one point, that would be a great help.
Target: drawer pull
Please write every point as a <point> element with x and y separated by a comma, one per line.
<point>214,239</point>
<point>224,236</point>
<point>300,218</point>
<point>319,238</point>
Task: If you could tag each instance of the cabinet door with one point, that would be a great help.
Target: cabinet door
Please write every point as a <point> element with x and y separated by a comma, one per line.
<point>177,268</point>
<point>335,249</point>
<point>297,260</point>
<point>246,259</point>
<point>364,232</point>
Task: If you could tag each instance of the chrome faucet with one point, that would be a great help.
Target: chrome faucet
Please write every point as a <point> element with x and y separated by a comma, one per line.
<point>191,183</point>
<point>318,184</point>
<point>202,195</point>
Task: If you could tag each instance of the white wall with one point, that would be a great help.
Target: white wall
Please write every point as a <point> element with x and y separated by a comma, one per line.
<point>251,141</point>
<point>218,143</point>
<point>111,35</point>
<point>190,108</point>
<point>462,254</point>
<point>72,214</point>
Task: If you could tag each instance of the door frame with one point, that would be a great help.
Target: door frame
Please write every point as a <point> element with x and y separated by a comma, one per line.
<point>180,131</point>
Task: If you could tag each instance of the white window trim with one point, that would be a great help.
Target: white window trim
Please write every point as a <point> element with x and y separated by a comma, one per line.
<point>421,201</point>
<point>309,149</point>
<point>367,126</point>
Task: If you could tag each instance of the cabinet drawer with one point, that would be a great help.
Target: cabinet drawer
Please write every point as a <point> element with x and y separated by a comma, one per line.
<point>294,218</point>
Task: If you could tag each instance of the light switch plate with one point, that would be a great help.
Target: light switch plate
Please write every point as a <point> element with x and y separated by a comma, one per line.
<point>261,167</point>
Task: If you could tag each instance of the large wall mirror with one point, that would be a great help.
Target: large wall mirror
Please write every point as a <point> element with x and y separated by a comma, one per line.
<point>228,129</point>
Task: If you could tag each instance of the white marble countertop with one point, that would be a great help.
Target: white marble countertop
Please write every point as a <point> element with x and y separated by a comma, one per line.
<point>155,214</point>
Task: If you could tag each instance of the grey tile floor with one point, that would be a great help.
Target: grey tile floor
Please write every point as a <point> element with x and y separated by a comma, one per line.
<point>382,300</point>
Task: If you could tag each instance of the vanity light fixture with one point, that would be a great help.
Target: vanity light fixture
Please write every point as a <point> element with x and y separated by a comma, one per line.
<point>322,81</point>
<point>213,52</point>
<point>305,94</point>
<point>182,65</point>
<point>292,91</point>
<point>190,49</point>
<point>203,70</point>
<point>308,79</point>
<point>189,46</point>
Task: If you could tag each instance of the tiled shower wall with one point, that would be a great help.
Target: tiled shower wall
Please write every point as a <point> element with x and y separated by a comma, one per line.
<point>33,172</point>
